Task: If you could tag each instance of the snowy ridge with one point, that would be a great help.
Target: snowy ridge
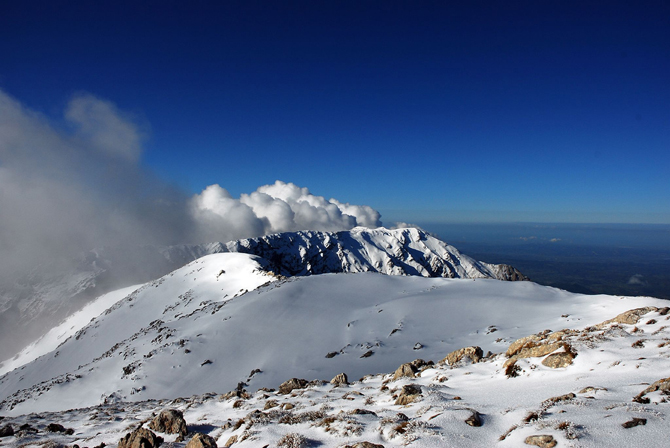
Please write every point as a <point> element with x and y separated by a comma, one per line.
<point>26,309</point>
<point>407,251</point>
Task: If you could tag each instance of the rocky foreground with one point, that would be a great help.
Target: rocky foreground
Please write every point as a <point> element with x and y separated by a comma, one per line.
<point>603,385</point>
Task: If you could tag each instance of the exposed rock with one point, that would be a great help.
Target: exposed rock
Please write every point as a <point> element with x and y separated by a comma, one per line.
<point>662,384</point>
<point>340,379</point>
<point>475,419</point>
<point>294,383</point>
<point>231,440</point>
<point>406,370</point>
<point>535,340</point>
<point>201,441</point>
<point>270,404</point>
<point>55,427</point>
<point>634,422</point>
<point>553,400</point>
<point>169,421</point>
<point>6,431</point>
<point>367,354</point>
<point>474,353</point>
<point>630,317</point>
<point>588,389</point>
<point>558,360</point>
<point>543,441</point>
<point>364,445</point>
<point>410,393</point>
<point>140,438</point>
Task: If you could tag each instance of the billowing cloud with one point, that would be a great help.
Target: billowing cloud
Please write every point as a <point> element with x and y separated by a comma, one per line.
<point>280,207</point>
<point>73,184</point>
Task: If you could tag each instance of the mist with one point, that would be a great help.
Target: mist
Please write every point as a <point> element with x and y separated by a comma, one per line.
<point>75,183</point>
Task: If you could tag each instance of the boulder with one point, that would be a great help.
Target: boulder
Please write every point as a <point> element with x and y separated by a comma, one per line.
<point>294,383</point>
<point>474,353</point>
<point>169,421</point>
<point>543,441</point>
<point>140,438</point>
<point>55,427</point>
<point>410,393</point>
<point>558,360</point>
<point>6,431</point>
<point>406,370</point>
<point>201,441</point>
<point>340,379</point>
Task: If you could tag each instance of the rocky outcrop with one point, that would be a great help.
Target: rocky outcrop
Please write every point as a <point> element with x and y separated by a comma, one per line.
<point>542,344</point>
<point>472,353</point>
<point>289,386</point>
<point>140,438</point>
<point>201,441</point>
<point>169,421</point>
<point>630,317</point>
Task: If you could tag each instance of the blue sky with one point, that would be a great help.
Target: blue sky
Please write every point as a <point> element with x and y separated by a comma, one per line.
<point>426,111</point>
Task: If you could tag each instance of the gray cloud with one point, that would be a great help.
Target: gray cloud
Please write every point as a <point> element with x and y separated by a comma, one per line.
<point>69,185</point>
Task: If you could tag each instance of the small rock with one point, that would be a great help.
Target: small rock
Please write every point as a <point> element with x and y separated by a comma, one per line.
<point>340,379</point>
<point>201,441</point>
<point>169,421</point>
<point>294,383</point>
<point>543,441</point>
<point>364,445</point>
<point>140,438</point>
<point>473,353</point>
<point>367,354</point>
<point>418,346</point>
<point>475,419</point>
<point>554,400</point>
<point>332,355</point>
<point>270,404</point>
<point>634,422</point>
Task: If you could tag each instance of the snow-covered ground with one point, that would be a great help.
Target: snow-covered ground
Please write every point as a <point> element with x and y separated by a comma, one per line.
<point>224,319</point>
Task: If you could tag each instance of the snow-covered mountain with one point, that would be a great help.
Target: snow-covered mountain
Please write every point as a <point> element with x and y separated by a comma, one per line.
<point>407,251</point>
<point>29,308</point>
<point>228,321</point>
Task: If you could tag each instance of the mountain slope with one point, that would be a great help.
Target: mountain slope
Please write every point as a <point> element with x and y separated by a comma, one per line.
<point>198,329</point>
<point>29,309</point>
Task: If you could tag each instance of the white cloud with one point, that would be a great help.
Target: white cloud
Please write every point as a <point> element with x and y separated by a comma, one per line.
<point>280,207</point>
